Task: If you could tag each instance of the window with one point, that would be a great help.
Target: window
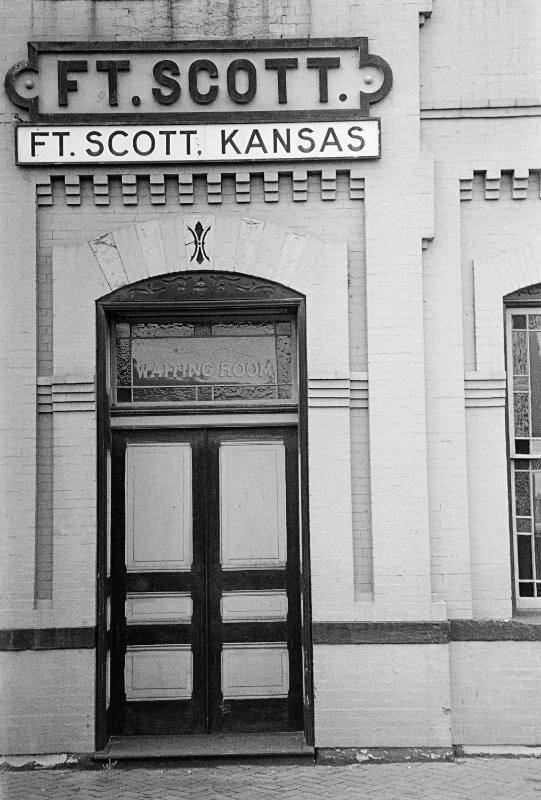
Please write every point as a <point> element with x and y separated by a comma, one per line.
<point>187,360</point>
<point>524,392</point>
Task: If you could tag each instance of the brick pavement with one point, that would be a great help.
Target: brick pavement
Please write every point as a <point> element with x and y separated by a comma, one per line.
<point>468,779</point>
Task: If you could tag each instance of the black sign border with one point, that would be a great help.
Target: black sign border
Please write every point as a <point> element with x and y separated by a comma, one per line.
<point>360,43</point>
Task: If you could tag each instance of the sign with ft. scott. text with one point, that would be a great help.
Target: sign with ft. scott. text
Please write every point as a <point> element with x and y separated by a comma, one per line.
<point>164,102</point>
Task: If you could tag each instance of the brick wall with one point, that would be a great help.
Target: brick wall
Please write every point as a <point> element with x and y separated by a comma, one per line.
<point>47,700</point>
<point>469,54</point>
<point>494,693</point>
<point>382,696</point>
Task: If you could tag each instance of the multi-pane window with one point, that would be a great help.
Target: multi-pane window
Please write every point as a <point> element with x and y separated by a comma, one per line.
<point>524,388</point>
<point>219,360</point>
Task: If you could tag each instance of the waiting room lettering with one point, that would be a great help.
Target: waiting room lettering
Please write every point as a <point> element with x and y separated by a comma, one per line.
<point>247,369</point>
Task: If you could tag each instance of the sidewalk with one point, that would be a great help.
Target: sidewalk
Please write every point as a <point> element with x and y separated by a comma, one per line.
<point>466,779</point>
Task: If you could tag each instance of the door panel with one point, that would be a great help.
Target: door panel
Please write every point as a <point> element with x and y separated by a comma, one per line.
<point>158,506</point>
<point>151,608</point>
<point>157,673</point>
<point>252,505</point>
<point>250,606</point>
<point>255,670</point>
<point>205,582</point>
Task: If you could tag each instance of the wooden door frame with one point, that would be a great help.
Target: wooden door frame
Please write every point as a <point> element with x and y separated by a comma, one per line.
<point>224,294</point>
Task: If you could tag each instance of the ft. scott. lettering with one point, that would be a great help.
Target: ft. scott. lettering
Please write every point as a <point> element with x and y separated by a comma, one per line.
<point>214,142</point>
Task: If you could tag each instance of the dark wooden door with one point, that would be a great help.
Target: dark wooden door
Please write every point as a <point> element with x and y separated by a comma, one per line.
<point>205,583</point>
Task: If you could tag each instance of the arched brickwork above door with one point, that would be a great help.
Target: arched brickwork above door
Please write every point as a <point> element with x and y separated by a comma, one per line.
<point>227,243</point>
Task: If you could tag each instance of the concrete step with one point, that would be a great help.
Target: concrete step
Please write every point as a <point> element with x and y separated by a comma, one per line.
<point>290,744</point>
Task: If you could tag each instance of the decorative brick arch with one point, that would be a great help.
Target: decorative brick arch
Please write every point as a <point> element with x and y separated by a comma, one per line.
<point>176,242</point>
<point>183,242</point>
<point>493,279</point>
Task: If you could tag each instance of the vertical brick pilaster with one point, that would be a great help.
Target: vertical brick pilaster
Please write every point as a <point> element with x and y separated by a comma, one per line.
<point>397,411</point>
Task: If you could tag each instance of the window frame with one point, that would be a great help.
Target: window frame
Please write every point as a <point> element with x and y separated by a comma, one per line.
<point>206,317</point>
<point>517,460</point>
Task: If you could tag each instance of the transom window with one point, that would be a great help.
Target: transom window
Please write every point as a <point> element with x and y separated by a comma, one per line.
<point>202,360</point>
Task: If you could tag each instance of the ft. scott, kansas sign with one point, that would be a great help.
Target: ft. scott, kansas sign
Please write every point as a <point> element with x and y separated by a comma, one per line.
<point>160,102</point>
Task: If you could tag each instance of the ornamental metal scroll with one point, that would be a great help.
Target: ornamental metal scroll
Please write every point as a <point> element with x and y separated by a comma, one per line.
<point>204,285</point>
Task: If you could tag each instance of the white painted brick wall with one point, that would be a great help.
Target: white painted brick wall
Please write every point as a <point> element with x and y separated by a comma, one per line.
<point>495,693</point>
<point>469,54</point>
<point>489,516</point>
<point>382,696</point>
<point>447,470</point>
<point>360,504</point>
<point>47,701</point>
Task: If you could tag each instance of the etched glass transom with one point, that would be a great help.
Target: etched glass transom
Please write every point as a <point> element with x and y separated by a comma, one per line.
<point>173,361</point>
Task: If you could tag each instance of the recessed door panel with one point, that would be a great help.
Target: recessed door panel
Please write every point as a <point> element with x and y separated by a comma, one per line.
<point>158,506</point>
<point>252,505</point>
<point>254,606</point>
<point>159,673</point>
<point>151,608</point>
<point>255,670</point>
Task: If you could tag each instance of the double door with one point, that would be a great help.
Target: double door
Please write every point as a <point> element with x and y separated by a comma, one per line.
<point>205,582</point>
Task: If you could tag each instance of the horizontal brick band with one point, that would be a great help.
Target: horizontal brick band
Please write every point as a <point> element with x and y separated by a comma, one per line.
<point>380,632</point>
<point>457,630</point>
<point>48,639</point>
<point>495,630</point>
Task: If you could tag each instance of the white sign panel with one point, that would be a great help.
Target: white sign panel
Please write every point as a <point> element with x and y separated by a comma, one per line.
<point>162,144</point>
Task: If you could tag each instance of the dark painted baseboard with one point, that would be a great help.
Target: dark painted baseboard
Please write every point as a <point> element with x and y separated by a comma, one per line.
<point>48,639</point>
<point>380,632</point>
<point>456,630</point>
<point>329,633</point>
<point>495,630</point>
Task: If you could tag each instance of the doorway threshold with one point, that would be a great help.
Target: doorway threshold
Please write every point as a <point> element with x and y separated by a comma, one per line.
<point>289,744</point>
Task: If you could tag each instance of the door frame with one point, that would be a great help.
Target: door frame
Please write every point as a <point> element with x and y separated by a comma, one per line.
<point>208,293</point>
<point>208,581</point>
